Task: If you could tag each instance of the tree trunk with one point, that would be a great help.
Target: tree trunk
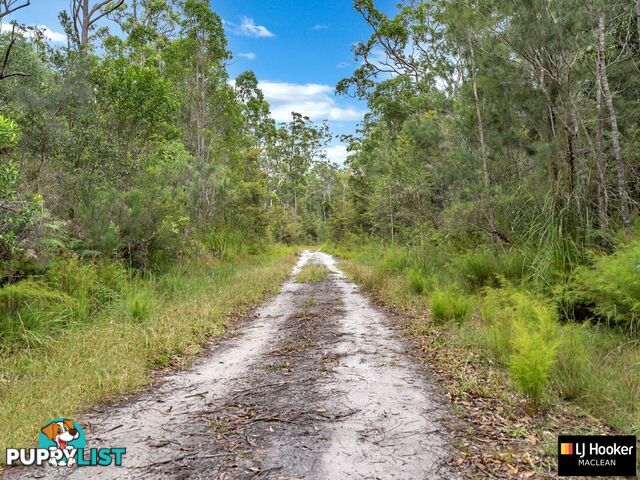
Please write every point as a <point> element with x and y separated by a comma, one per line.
<point>603,196</point>
<point>553,167</point>
<point>392,217</point>
<point>483,145</point>
<point>615,134</point>
<point>84,35</point>
<point>581,184</point>
<point>481,139</point>
<point>638,19</point>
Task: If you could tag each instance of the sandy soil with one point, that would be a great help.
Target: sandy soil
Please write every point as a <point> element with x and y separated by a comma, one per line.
<point>318,384</point>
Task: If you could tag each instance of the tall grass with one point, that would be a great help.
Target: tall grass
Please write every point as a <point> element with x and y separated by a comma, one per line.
<point>69,294</point>
<point>555,245</point>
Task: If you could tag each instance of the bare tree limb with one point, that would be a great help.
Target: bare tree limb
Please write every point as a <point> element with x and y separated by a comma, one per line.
<point>9,7</point>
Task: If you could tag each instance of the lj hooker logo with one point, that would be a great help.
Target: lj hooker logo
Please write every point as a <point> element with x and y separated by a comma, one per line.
<point>62,443</point>
<point>596,455</point>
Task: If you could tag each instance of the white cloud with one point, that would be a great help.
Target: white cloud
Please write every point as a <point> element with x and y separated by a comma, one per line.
<point>248,55</point>
<point>337,154</point>
<point>248,28</point>
<point>319,27</point>
<point>343,65</point>
<point>29,32</point>
<point>311,99</point>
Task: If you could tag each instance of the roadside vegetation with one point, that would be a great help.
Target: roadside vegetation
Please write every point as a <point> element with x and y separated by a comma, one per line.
<point>480,302</point>
<point>72,351</point>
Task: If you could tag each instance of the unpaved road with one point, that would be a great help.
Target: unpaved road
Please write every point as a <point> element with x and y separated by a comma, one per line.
<point>318,384</point>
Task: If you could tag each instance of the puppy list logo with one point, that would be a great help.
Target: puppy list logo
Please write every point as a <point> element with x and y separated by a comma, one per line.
<point>62,443</point>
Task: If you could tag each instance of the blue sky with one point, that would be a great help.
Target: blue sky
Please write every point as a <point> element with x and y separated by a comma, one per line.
<point>298,49</point>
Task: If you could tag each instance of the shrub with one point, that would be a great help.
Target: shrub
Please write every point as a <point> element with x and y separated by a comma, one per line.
<point>144,225</point>
<point>478,269</point>
<point>136,304</point>
<point>93,282</point>
<point>22,223</point>
<point>521,332</point>
<point>71,291</point>
<point>531,362</point>
<point>226,243</point>
<point>608,290</point>
<point>503,308</point>
<point>449,304</point>
<point>418,283</point>
<point>73,277</point>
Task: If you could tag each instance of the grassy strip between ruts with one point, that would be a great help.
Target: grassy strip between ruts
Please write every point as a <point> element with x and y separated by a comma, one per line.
<point>115,353</point>
<point>312,273</point>
<point>499,435</point>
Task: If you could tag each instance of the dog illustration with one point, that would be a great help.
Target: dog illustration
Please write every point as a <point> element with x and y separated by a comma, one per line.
<point>61,433</point>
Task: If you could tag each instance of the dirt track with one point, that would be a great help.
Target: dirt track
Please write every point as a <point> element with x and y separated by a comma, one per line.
<point>318,384</point>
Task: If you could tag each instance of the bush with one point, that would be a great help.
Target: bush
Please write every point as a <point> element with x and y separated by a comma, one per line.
<point>418,283</point>
<point>478,269</point>
<point>144,225</point>
<point>226,243</point>
<point>609,290</point>
<point>503,310</point>
<point>73,277</point>
<point>449,304</point>
<point>521,331</point>
<point>70,292</point>
<point>95,282</point>
<point>21,216</point>
<point>532,360</point>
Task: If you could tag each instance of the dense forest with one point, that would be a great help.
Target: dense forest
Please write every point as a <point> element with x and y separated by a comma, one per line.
<point>496,176</point>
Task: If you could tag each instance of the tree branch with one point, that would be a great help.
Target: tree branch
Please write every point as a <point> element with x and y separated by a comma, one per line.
<point>8,4</point>
<point>6,58</point>
<point>105,13</point>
